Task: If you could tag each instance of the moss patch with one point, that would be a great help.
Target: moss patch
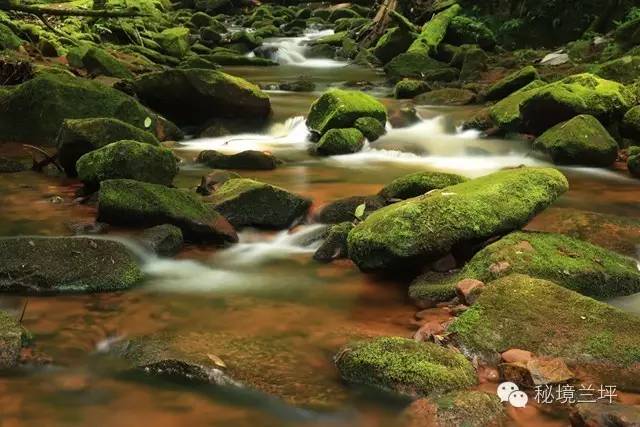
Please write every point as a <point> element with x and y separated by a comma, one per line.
<point>340,141</point>
<point>434,31</point>
<point>419,183</point>
<point>512,82</point>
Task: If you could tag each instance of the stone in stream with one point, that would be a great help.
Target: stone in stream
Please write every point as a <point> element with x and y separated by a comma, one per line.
<point>459,408</point>
<point>535,372</point>
<point>339,108</point>
<point>340,141</point>
<point>574,264</point>
<point>335,244</point>
<point>133,203</point>
<point>512,83</point>
<point>579,141</point>
<point>80,136</point>
<point>505,114</point>
<point>249,160</point>
<point>447,96</point>
<point>419,183</point>
<point>410,88</point>
<point>343,210</point>
<point>418,66</point>
<point>539,316</point>
<point>245,202</point>
<point>631,124</point>
<point>371,128</point>
<point>194,96</point>
<point>127,160</point>
<point>33,111</point>
<point>214,179</point>
<point>605,414</point>
<point>12,338</point>
<point>164,240</point>
<point>423,228</point>
<point>64,265</point>
<point>405,366</point>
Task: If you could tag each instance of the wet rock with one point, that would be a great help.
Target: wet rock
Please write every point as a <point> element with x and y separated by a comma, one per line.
<point>512,83</point>
<point>11,165</point>
<point>516,355</point>
<point>371,128</point>
<point>418,66</point>
<point>469,290</point>
<point>579,141</point>
<point>213,179</point>
<point>446,97</point>
<point>300,85</point>
<point>33,111</point>
<point>424,228</point>
<point>343,210</point>
<point>64,265</point>
<point>428,331</point>
<point>340,141</point>
<point>164,240</point>
<point>410,88</point>
<point>339,108</point>
<point>249,160</point>
<point>127,160</point>
<point>551,321</point>
<point>245,202</point>
<point>404,366</point>
<point>457,409</point>
<point>192,97</point>
<point>83,228</point>
<point>536,372</point>
<point>12,338</point>
<point>133,203</point>
<point>335,244</point>
<point>419,183</point>
<point>605,415</point>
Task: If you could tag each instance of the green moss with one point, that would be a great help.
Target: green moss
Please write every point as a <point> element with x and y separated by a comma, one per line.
<point>506,113</point>
<point>431,225</point>
<point>624,70</point>
<point>8,40</point>
<point>410,88</point>
<point>98,62</point>
<point>340,141</point>
<point>405,366</point>
<point>536,315</point>
<point>371,128</point>
<point>392,43</point>
<point>467,30</point>
<point>62,265</point>
<point>579,141</point>
<point>446,96</point>
<point>633,164</point>
<point>334,40</point>
<point>631,124</point>
<point>419,183</point>
<point>174,41</point>
<point>129,160</point>
<point>250,160</point>
<point>335,243</point>
<point>419,66</point>
<point>434,31</point>
<point>469,409</point>
<point>428,291</point>
<point>512,83</point>
<point>339,108</point>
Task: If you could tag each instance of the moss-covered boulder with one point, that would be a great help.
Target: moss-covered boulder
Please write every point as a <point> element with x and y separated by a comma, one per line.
<point>343,210</point>
<point>456,409</point>
<point>446,96</point>
<point>505,114</point>
<point>431,225</point>
<point>394,42</point>
<point>410,88</point>
<point>63,265</point>
<point>163,240</point>
<point>434,32</point>
<point>80,136</point>
<point>624,70</point>
<point>98,62</point>
<point>579,94</point>
<point>405,366</point>
<point>128,160</point>
<point>132,203</point>
<point>245,202</point>
<point>250,160</point>
<point>334,245</point>
<point>419,183</point>
<point>579,141</point>
<point>371,128</point>
<point>8,39</point>
<point>340,141</point>
<point>12,338</point>
<point>466,30</point>
<point>539,316</point>
<point>631,124</point>
<point>511,83</point>
<point>633,161</point>
<point>174,41</point>
<point>194,96</point>
<point>339,108</point>
<point>34,111</point>
<point>417,65</point>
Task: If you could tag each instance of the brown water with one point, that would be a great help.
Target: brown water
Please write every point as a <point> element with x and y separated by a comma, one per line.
<point>271,313</point>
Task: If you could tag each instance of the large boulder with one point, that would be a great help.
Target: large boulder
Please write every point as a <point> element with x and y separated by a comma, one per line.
<point>128,160</point>
<point>431,225</point>
<point>579,141</point>
<point>133,203</point>
<point>339,108</point>
<point>539,316</point>
<point>250,160</point>
<point>511,83</point>
<point>434,32</point>
<point>245,202</point>
<point>419,183</point>
<point>340,141</point>
<point>34,111</point>
<point>63,265</point>
<point>405,366</point>
<point>194,96</point>
<point>505,114</point>
<point>80,136</point>
<point>416,65</point>
<point>343,210</point>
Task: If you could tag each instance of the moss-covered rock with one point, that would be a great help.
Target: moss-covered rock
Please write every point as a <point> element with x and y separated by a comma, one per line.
<point>250,159</point>
<point>446,96</point>
<point>579,141</point>
<point>394,42</point>
<point>63,265</point>
<point>34,111</point>
<point>80,136</point>
<point>512,83</point>
<point>410,88</point>
<point>128,160</point>
<point>340,141</point>
<point>194,96</point>
<point>434,32</point>
<point>133,203</point>
<point>431,225</point>
<point>474,62</point>
<point>456,409</point>
<point>419,183</point>
<point>339,108</point>
<point>335,243</point>
<point>343,210</point>
<point>8,40</point>
<point>163,240</point>
<point>624,70</point>
<point>343,12</point>
<point>245,202</point>
<point>628,34</point>
<point>371,128</point>
<point>405,366</point>
<point>506,113</point>
<point>467,30</point>
<point>417,65</point>
<point>633,162</point>
<point>99,62</point>
<point>174,41</point>
<point>631,124</point>
<point>539,316</point>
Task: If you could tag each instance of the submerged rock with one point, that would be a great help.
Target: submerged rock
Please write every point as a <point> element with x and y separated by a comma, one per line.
<point>431,225</point>
<point>133,203</point>
<point>405,366</point>
<point>456,409</point>
<point>335,244</point>
<point>64,265</point>
<point>164,240</point>
<point>250,160</point>
<point>245,202</point>
<point>340,141</point>
<point>127,160</point>
<point>579,141</point>
<point>194,96</point>
<point>343,210</point>
<point>512,83</point>
<point>419,183</point>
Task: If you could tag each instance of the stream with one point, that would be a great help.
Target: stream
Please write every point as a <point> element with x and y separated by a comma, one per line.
<point>285,314</point>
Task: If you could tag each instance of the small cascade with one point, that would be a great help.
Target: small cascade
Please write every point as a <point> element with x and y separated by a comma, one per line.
<point>293,50</point>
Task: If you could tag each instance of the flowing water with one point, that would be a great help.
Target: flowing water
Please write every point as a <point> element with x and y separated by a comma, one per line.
<point>263,305</point>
